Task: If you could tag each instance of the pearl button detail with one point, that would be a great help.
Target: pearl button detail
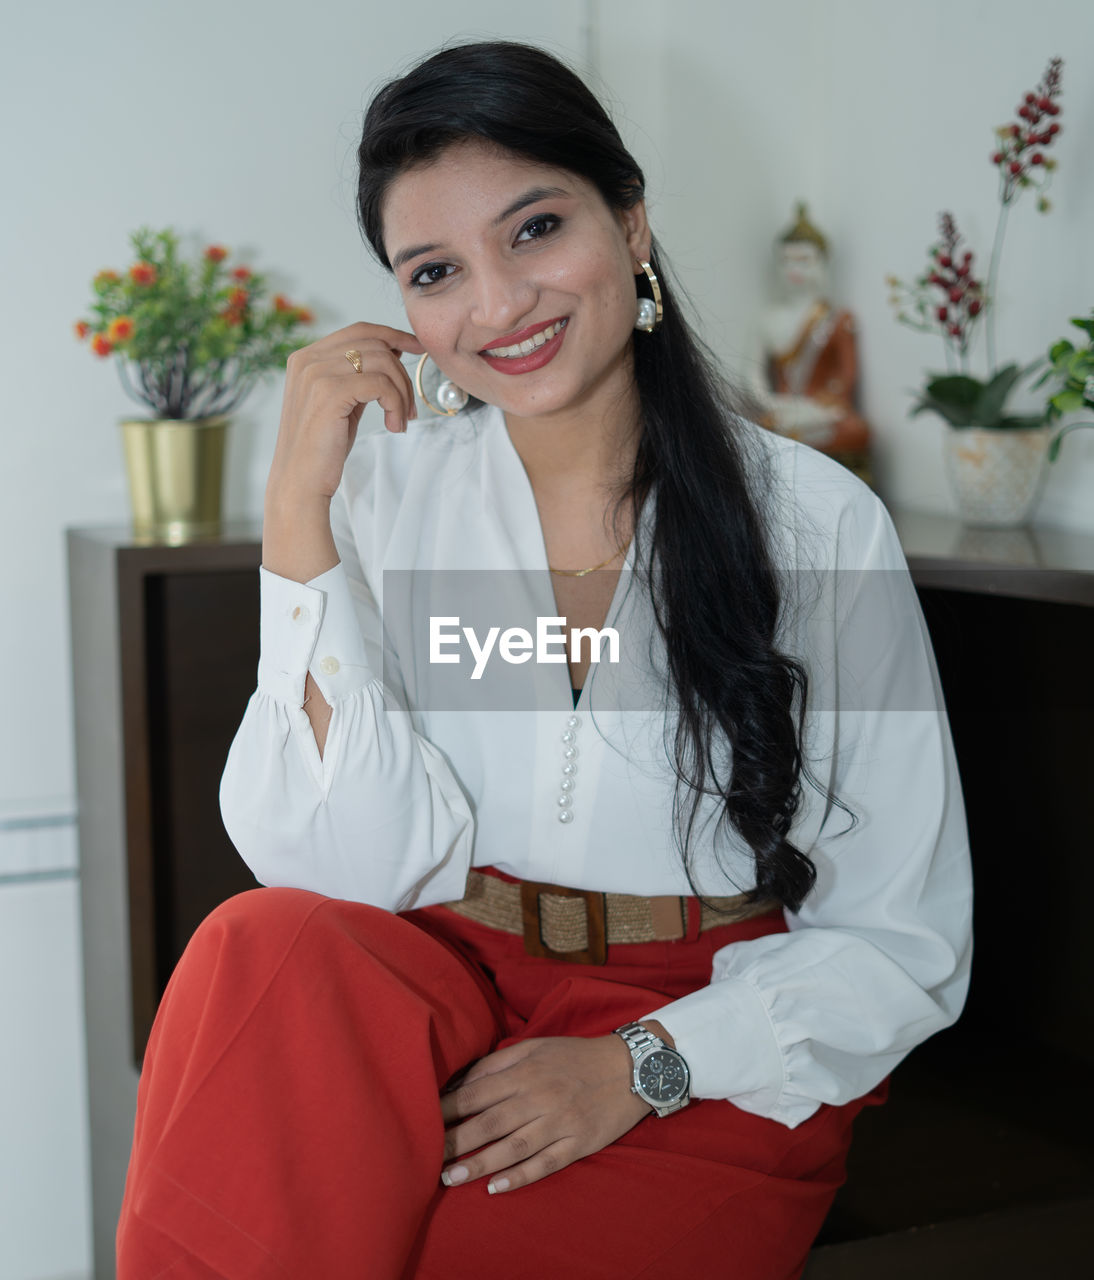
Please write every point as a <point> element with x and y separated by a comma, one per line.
<point>568,738</point>
<point>330,666</point>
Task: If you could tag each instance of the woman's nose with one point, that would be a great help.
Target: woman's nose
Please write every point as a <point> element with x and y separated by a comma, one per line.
<point>503,299</point>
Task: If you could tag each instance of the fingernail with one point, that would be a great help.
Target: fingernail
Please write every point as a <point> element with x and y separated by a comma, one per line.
<point>450,1177</point>
<point>499,1184</point>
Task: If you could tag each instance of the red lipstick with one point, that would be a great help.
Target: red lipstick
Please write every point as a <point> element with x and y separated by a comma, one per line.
<point>536,358</point>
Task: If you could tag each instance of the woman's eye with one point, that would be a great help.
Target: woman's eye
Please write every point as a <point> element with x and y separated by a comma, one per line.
<point>431,273</point>
<point>539,226</point>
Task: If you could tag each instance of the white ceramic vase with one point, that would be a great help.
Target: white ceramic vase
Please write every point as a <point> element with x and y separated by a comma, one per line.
<point>995,475</point>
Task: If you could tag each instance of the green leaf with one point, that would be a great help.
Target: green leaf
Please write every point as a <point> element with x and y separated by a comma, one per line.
<point>1020,422</point>
<point>1060,349</point>
<point>1086,324</point>
<point>989,405</point>
<point>1068,400</point>
<point>1057,439</point>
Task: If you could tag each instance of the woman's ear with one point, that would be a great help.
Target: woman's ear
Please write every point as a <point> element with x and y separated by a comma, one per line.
<point>636,229</point>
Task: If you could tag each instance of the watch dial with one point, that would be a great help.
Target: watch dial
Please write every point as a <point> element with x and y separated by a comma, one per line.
<point>663,1077</point>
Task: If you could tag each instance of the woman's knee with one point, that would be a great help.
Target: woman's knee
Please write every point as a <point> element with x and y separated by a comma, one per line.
<point>262,926</point>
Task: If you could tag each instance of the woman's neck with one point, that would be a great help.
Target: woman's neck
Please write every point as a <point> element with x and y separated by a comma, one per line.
<point>593,448</point>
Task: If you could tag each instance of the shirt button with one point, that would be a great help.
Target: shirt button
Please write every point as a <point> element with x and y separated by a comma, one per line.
<point>569,737</point>
<point>300,613</point>
<point>565,815</point>
<point>574,722</point>
<point>569,769</point>
<point>570,753</point>
<point>564,801</point>
<point>567,784</point>
<point>330,666</point>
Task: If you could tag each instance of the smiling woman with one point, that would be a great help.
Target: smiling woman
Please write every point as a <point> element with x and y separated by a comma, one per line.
<point>637,949</point>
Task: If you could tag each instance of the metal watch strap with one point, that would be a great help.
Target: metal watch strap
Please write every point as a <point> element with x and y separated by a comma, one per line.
<point>637,1039</point>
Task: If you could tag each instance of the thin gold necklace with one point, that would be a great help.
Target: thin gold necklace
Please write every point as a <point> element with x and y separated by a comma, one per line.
<point>580,573</point>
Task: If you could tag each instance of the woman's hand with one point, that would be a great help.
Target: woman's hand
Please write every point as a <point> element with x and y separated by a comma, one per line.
<point>538,1106</point>
<point>321,408</point>
<point>325,397</point>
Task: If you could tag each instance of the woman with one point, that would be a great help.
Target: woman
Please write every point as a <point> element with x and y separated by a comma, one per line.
<point>485,1026</point>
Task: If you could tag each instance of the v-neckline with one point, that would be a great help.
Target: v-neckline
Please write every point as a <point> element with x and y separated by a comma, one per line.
<point>530,518</point>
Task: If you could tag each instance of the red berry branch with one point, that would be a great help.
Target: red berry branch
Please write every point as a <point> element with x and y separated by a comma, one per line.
<point>1021,160</point>
<point>948,298</point>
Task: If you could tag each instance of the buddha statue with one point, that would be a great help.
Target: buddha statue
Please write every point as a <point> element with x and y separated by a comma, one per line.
<point>807,365</point>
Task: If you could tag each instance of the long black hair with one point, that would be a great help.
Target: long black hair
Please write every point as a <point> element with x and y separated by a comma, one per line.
<point>714,587</point>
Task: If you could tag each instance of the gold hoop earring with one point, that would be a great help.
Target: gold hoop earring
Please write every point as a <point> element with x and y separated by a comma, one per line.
<point>447,399</point>
<point>650,310</point>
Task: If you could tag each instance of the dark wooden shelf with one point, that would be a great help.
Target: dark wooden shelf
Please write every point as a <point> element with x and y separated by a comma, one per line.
<point>978,1163</point>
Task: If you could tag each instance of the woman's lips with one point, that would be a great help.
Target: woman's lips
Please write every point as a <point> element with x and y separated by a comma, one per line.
<point>534,359</point>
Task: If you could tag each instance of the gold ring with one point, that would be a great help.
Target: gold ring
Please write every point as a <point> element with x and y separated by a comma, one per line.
<point>354,357</point>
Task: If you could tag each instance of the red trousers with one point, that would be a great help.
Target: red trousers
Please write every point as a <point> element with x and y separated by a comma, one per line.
<point>288,1123</point>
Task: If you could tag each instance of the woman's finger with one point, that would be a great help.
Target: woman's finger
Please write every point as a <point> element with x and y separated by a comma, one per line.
<point>353,335</point>
<point>545,1162</point>
<point>523,1157</point>
<point>471,1097</point>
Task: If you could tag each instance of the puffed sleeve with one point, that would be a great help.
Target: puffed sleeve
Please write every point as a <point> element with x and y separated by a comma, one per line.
<point>877,958</point>
<point>380,817</point>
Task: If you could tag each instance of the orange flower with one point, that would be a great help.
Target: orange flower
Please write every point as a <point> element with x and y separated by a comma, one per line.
<point>120,329</point>
<point>281,303</point>
<point>241,273</point>
<point>233,316</point>
<point>82,329</point>
<point>106,277</point>
<point>216,253</point>
<point>304,315</point>
<point>101,345</point>
<point>239,298</point>
<point>142,273</point>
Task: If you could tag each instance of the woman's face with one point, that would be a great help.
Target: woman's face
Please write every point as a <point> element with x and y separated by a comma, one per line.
<point>493,253</point>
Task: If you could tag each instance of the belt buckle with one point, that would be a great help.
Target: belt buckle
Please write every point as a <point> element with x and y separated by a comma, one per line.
<point>596,950</point>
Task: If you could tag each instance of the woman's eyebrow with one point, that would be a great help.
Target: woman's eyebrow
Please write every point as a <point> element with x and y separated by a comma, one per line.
<point>529,197</point>
<point>532,196</point>
<point>404,255</point>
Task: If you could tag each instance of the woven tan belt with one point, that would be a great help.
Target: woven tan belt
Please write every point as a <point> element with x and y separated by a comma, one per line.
<point>577,924</point>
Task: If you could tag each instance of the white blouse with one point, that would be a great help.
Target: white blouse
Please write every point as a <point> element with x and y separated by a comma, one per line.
<point>429,770</point>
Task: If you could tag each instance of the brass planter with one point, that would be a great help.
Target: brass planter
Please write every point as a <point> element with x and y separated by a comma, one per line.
<point>176,477</point>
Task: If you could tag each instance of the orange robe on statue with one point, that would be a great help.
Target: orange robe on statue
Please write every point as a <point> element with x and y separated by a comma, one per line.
<point>823,365</point>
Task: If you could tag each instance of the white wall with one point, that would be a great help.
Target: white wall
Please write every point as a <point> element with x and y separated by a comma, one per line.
<point>233,122</point>
<point>236,122</point>
<point>880,114</point>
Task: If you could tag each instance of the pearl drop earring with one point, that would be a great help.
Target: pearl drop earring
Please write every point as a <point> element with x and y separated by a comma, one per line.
<point>448,398</point>
<point>650,310</point>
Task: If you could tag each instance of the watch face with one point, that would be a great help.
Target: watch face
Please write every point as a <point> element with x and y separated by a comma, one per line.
<point>663,1077</point>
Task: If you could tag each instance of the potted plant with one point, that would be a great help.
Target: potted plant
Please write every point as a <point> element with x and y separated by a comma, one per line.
<point>994,456</point>
<point>191,341</point>
<point>1071,368</point>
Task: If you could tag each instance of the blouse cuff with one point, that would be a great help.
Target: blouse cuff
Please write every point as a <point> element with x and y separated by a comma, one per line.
<point>309,627</point>
<point>724,1034</point>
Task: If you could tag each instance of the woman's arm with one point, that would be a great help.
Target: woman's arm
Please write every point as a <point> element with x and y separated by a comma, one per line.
<point>877,959</point>
<point>327,786</point>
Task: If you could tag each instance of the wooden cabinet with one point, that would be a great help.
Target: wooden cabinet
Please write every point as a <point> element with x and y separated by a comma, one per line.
<point>165,653</point>
<point>980,1164</point>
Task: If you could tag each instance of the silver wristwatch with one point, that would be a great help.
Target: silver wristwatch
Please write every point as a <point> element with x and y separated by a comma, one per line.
<point>661,1075</point>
